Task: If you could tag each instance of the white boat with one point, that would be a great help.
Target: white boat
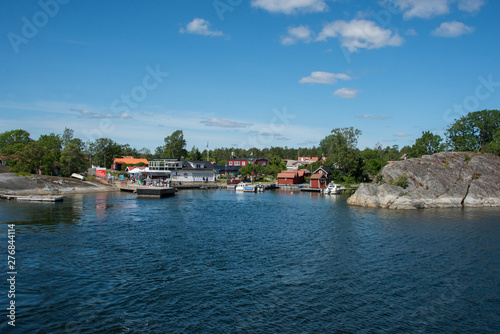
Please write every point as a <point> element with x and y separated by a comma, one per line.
<point>78,176</point>
<point>333,189</point>
<point>245,187</point>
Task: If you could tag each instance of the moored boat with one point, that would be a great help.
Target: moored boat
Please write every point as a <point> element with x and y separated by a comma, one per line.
<point>333,189</point>
<point>245,187</point>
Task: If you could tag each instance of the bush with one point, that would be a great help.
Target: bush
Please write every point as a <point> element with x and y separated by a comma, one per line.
<point>24,174</point>
<point>467,157</point>
<point>401,181</point>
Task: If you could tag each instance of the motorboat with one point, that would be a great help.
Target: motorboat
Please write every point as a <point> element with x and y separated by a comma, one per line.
<point>333,189</point>
<point>246,187</point>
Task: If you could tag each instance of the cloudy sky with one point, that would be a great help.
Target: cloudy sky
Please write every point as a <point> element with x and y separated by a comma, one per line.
<point>237,73</point>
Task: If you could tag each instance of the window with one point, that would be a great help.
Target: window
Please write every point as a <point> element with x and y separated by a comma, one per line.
<point>236,163</point>
<point>230,163</point>
<point>243,163</point>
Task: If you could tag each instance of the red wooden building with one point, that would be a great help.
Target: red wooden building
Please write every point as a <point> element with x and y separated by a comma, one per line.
<point>242,162</point>
<point>320,177</point>
<point>318,181</point>
<point>285,178</point>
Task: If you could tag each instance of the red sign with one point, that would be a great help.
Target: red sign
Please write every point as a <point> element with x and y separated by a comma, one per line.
<point>100,172</point>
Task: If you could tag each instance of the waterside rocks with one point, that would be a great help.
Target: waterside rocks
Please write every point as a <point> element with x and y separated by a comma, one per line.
<point>441,180</point>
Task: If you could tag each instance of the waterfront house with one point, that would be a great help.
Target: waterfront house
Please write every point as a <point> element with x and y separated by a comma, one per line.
<point>318,181</point>
<point>320,177</point>
<point>126,160</point>
<point>288,177</point>
<point>181,171</point>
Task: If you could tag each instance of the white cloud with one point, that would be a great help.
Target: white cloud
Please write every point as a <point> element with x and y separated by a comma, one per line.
<point>370,116</point>
<point>200,27</point>
<point>90,114</point>
<point>452,29</point>
<point>422,8</point>
<point>297,34</point>
<point>401,134</point>
<point>411,32</point>
<point>324,78</point>
<point>429,8</point>
<point>470,5</point>
<point>291,6</point>
<point>346,93</point>
<point>360,34</point>
<point>224,123</point>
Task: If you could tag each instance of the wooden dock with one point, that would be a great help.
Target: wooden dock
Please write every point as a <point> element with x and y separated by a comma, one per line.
<point>312,190</point>
<point>34,198</point>
<point>154,192</point>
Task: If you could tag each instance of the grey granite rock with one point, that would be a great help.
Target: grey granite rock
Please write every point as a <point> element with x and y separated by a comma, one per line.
<point>442,180</point>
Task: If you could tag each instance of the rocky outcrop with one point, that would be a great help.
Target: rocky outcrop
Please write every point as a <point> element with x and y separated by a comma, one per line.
<point>442,180</point>
<point>12,184</point>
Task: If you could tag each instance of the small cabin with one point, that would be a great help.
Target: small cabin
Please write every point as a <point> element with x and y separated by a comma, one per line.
<point>318,181</point>
<point>287,178</point>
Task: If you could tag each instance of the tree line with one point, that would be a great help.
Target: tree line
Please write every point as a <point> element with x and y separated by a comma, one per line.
<point>477,131</point>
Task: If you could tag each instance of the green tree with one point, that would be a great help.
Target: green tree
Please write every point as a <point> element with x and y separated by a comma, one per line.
<point>32,158</point>
<point>195,154</point>
<point>247,170</point>
<point>494,145</point>
<point>429,143</point>
<point>174,147</point>
<point>11,142</point>
<point>474,131</point>
<point>104,150</point>
<point>73,158</point>
<point>53,144</point>
<point>341,151</point>
<point>276,165</point>
<point>67,136</point>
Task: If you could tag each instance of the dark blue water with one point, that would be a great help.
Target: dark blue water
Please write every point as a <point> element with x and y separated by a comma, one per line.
<point>222,262</point>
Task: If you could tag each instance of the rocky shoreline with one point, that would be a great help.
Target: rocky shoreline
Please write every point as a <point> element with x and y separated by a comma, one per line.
<point>441,180</point>
<point>12,184</point>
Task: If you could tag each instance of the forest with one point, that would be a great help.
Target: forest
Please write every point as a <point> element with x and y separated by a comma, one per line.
<point>475,132</point>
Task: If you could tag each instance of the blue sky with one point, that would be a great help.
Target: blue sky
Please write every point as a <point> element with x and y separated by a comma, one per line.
<point>246,73</point>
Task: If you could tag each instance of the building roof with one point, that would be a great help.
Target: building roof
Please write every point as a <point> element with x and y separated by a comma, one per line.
<point>191,165</point>
<point>247,159</point>
<point>303,172</point>
<point>287,175</point>
<point>328,170</point>
<point>130,161</point>
<point>308,159</point>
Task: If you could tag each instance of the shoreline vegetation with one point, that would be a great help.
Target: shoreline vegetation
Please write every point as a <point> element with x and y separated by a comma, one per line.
<point>56,155</point>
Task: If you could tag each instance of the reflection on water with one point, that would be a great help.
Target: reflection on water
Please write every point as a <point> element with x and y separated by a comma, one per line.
<point>221,261</point>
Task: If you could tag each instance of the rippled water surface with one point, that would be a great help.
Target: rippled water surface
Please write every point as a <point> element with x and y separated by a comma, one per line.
<point>222,262</point>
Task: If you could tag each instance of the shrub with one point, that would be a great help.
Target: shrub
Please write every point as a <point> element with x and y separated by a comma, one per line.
<point>401,181</point>
<point>467,157</point>
<point>24,174</point>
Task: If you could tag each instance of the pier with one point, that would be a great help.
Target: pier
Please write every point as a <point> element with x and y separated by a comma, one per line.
<point>34,198</point>
<point>154,192</point>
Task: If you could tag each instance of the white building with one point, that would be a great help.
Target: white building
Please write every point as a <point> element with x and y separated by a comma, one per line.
<point>181,171</point>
